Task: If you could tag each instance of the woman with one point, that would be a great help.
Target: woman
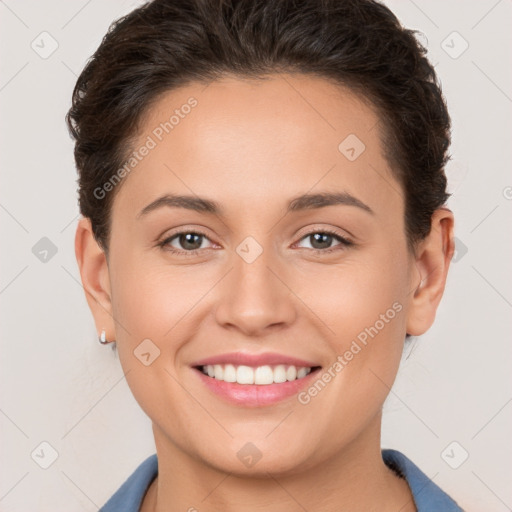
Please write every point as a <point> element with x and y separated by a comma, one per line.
<point>264,224</point>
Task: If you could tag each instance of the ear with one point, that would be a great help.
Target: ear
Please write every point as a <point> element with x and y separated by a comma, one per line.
<point>94,273</point>
<point>432,261</point>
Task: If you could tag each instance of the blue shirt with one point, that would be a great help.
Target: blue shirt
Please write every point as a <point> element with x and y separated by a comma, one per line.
<point>428,497</point>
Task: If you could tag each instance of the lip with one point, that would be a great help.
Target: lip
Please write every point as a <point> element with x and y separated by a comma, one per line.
<point>254,360</point>
<point>252,395</point>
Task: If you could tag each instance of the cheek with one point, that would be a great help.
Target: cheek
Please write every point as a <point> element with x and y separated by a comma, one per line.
<point>160,308</point>
<point>150,300</point>
<point>365,308</point>
<point>152,304</point>
<point>365,311</point>
<point>363,292</point>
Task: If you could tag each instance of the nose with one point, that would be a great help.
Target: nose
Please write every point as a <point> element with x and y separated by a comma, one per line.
<point>255,298</point>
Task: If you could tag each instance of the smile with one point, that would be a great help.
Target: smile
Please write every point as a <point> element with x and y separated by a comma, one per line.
<point>261,375</point>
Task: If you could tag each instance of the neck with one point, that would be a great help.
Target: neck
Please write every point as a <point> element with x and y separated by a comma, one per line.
<point>354,478</point>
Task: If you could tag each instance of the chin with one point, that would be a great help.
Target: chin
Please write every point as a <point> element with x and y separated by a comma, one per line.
<point>259,459</point>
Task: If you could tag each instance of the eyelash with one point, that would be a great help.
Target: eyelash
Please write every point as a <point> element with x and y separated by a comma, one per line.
<point>344,242</point>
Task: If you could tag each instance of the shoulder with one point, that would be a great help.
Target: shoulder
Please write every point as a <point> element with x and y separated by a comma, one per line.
<point>128,497</point>
<point>427,495</point>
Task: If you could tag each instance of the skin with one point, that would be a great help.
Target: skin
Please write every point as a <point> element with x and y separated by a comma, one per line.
<point>252,146</point>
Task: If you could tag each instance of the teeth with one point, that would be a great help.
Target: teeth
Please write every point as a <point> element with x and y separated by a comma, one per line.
<point>280,374</point>
<point>218,372</point>
<point>245,375</point>
<point>291,373</point>
<point>261,375</point>
<point>229,373</point>
<point>302,372</point>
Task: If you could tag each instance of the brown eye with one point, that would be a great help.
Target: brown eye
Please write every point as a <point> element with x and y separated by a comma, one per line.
<point>322,241</point>
<point>184,242</point>
<point>190,241</point>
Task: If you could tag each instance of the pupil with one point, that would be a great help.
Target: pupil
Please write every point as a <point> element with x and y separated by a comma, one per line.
<point>187,244</point>
<point>324,236</point>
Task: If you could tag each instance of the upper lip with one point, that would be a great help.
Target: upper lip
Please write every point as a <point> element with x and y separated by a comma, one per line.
<point>254,360</point>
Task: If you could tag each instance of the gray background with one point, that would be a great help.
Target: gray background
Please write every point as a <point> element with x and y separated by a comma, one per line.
<point>453,394</point>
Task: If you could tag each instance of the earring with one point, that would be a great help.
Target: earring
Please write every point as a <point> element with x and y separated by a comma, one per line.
<point>103,338</point>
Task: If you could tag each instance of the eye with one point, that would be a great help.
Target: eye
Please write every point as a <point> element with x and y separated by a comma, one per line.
<point>189,242</point>
<point>322,241</point>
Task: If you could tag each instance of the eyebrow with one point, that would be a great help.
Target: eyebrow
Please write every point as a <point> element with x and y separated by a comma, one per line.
<point>300,203</point>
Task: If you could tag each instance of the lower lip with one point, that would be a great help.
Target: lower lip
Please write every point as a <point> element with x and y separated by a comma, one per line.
<point>252,395</point>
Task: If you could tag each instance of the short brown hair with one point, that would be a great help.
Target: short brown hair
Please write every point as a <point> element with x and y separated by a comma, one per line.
<point>166,44</point>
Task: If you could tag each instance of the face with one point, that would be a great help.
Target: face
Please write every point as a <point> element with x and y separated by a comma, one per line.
<point>258,278</point>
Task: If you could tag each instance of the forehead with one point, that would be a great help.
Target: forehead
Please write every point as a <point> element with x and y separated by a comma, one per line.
<point>259,140</point>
